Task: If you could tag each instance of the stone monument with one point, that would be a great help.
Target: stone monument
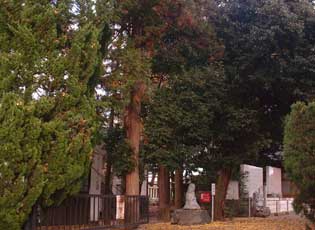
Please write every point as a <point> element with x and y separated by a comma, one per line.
<point>233,191</point>
<point>259,210</point>
<point>191,201</point>
<point>253,178</point>
<point>191,213</point>
<point>274,181</point>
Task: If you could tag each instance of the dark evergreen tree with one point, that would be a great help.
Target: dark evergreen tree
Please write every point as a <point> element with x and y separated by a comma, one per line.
<point>269,59</point>
<point>268,62</point>
<point>185,41</point>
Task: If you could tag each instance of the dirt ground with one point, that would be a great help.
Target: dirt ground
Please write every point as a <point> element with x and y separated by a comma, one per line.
<point>287,222</point>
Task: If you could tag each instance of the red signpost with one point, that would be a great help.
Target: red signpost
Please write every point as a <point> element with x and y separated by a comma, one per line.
<point>205,197</point>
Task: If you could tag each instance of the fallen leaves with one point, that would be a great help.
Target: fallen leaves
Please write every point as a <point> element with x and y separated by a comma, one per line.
<point>289,222</point>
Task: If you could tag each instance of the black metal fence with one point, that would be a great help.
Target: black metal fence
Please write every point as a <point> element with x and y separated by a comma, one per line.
<point>91,212</point>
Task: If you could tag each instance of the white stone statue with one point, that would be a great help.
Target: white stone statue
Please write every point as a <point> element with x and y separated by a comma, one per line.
<point>191,201</point>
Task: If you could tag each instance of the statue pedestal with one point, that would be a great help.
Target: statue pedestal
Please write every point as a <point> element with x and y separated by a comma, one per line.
<point>191,213</point>
<point>262,212</point>
<point>190,217</point>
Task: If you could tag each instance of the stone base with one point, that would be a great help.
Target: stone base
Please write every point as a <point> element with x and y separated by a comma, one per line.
<point>262,212</point>
<point>190,217</point>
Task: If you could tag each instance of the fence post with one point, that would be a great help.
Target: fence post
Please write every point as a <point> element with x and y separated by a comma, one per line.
<point>31,221</point>
<point>265,195</point>
<point>148,209</point>
<point>249,207</point>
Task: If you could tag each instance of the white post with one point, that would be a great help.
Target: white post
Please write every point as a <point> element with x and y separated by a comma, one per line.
<point>212,209</point>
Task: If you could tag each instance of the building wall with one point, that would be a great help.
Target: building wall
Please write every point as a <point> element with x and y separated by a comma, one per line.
<point>96,178</point>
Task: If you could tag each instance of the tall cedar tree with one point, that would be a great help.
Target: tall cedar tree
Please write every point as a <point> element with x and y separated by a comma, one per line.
<point>139,31</point>
<point>128,66</point>
<point>187,42</point>
<point>125,84</point>
<point>51,56</point>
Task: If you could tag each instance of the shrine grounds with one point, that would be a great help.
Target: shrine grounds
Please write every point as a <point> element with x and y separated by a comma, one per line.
<point>284,222</point>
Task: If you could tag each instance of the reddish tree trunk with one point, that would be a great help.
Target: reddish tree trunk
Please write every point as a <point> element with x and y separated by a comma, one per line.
<point>164,194</point>
<point>133,126</point>
<point>221,190</point>
<point>108,177</point>
<point>179,188</point>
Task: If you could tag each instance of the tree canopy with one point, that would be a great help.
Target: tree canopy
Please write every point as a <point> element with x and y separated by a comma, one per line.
<point>299,160</point>
<point>268,58</point>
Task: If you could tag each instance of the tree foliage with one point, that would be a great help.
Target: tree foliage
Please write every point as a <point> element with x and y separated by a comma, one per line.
<point>50,61</point>
<point>193,122</point>
<point>299,139</point>
<point>180,115</point>
<point>118,150</point>
<point>194,118</point>
<point>269,58</point>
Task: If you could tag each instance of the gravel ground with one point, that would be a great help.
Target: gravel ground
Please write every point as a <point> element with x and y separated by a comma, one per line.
<point>285,222</point>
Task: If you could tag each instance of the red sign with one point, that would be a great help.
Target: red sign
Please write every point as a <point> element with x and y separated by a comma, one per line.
<point>205,197</point>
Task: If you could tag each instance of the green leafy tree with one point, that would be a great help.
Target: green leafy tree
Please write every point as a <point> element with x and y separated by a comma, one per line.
<point>269,49</point>
<point>184,40</point>
<point>180,116</point>
<point>299,139</point>
<point>50,62</point>
<point>268,63</point>
<point>194,123</point>
<point>118,150</point>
